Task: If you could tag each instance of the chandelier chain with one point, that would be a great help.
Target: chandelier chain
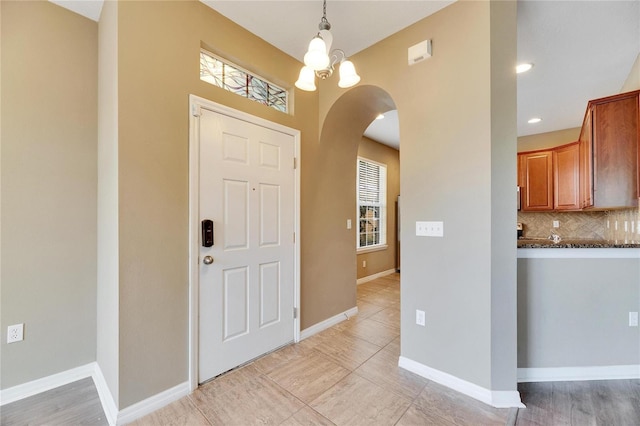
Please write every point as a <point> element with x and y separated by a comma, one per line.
<point>324,23</point>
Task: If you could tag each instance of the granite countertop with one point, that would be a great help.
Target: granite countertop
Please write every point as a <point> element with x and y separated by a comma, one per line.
<point>569,243</point>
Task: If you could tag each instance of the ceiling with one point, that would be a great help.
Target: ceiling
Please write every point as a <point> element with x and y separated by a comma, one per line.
<point>581,50</point>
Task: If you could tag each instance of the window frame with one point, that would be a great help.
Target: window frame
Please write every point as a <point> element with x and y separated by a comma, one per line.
<point>382,206</point>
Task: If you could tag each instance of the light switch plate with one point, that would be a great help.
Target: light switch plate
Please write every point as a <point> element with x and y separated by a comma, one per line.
<point>430,229</point>
<point>633,319</point>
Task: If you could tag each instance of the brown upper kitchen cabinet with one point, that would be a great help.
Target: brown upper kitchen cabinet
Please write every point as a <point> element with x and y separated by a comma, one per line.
<point>550,179</point>
<point>612,123</point>
<point>535,177</point>
<point>566,177</point>
<point>586,162</point>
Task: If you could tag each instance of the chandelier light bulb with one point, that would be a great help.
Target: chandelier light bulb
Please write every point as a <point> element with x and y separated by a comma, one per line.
<point>306,80</point>
<point>316,57</point>
<point>348,75</point>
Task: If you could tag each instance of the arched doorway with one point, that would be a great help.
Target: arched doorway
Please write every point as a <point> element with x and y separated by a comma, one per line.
<point>329,199</point>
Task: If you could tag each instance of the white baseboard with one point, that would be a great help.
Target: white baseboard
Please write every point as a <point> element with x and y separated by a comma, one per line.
<point>44,384</point>
<point>106,397</point>
<point>114,417</point>
<point>329,322</point>
<point>566,374</point>
<point>375,276</point>
<point>499,399</point>
<point>153,403</point>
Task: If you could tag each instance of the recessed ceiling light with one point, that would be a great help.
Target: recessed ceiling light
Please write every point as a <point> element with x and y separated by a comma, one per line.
<point>534,120</point>
<point>523,68</point>
<point>380,117</point>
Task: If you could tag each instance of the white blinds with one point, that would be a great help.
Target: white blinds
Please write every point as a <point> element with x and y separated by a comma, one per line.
<point>371,195</point>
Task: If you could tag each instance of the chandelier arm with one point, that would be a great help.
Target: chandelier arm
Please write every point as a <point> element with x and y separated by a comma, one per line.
<point>334,56</point>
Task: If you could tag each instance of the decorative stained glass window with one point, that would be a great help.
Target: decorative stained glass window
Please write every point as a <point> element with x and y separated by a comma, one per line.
<point>372,203</point>
<point>231,77</point>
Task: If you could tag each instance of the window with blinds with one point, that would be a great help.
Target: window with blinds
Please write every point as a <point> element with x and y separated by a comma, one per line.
<point>372,203</point>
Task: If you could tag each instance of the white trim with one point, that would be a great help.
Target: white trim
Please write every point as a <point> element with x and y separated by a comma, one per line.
<point>44,384</point>
<point>329,322</point>
<point>564,374</point>
<point>195,104</point>
<point>106,397</point>
<point>369,249</point>
<point>375,276</point>
<point>499,399</point>
<point>579,253</point>
<point>151,404</point>
<point>506,399</point>
<point>114,417</point>
<point>194,216</point>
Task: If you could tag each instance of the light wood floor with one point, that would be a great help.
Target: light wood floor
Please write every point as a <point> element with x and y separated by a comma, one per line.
<point>74,404</point>
<point>602,402</point>
<point>346,375</point>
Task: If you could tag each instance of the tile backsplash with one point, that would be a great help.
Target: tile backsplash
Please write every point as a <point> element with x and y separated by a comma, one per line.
<point>602,225</point>
<point>623,226</point>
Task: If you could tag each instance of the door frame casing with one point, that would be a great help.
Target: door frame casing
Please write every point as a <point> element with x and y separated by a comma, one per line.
<point>196,104</point>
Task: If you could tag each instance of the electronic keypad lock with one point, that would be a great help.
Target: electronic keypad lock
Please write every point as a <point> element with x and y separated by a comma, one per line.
<point>207,233</point>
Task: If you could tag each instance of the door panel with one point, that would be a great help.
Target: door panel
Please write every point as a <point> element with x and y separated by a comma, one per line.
<point>236,214</point>
<point>269,293</point>
<point>247,293</point>
<point>236,302</point>
<point>269,215</point>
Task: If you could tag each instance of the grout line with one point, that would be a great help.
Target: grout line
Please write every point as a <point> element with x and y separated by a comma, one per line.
<point>198,408</point>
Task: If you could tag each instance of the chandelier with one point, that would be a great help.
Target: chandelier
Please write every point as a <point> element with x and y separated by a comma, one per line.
<point>320,60</point>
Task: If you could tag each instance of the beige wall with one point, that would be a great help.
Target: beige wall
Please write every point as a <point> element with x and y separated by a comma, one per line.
<point>107,318</point>
<point>158,56</point>
<point>633,81</point>
<point>446,122</point>
<point>548,140</point>
<point>49,115</point>
<point>382,260</point>
<point>453,152</point>
<point>503,36</point>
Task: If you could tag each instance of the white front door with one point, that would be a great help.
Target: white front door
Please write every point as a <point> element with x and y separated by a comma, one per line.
<point>246,295</point>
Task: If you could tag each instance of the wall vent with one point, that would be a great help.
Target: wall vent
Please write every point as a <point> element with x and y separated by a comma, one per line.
<point>419,52</point>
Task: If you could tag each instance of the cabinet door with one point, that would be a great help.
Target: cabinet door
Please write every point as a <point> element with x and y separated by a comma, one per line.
<point>586,162</point>
<point>537,181</point>
<point>615,152</point>
<point>566,177</point>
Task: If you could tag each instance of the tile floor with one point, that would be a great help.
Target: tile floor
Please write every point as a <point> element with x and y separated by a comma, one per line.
<point>345,375</point>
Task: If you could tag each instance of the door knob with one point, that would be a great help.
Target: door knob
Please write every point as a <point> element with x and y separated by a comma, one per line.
<point>207,260</point>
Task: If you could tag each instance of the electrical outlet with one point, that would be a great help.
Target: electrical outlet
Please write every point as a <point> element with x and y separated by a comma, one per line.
<point>420,317</point>
<point>556,224</point>
<point>15,333</point>
<point>364,263</point>
<point>633,319</point>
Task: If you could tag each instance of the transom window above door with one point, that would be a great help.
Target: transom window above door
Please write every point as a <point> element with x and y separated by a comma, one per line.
<point>231,77</point>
